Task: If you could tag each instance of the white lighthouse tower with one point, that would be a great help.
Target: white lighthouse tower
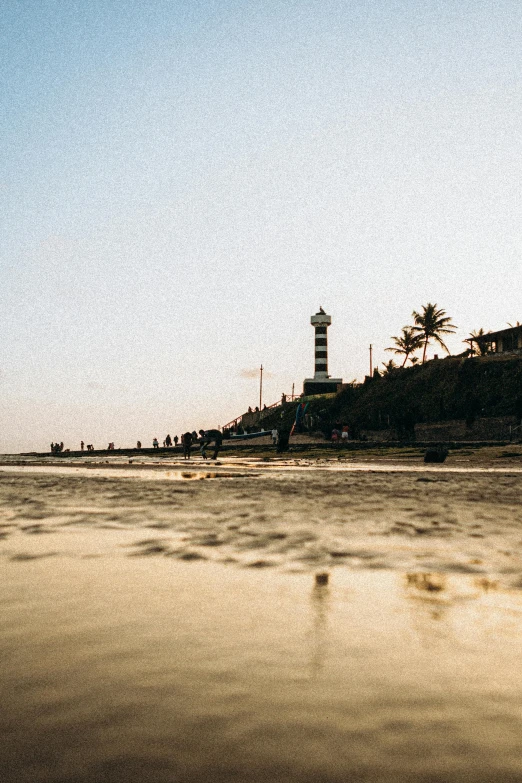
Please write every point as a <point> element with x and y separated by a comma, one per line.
<point>321,383</point>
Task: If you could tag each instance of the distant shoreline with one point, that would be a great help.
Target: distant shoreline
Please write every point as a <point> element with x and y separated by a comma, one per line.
<point>499,454</point>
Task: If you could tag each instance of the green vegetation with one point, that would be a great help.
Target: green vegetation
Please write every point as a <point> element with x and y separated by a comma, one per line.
<point>430,324</point>
<point>476,338</point>
<point>406,344</point>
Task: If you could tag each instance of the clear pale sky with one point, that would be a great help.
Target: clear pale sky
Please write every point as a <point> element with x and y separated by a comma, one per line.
<point>183,183</point>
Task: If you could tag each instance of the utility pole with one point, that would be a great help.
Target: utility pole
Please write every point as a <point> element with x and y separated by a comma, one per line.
<point>371,364</point>
<point>260,387</point>
<point>293,387</point>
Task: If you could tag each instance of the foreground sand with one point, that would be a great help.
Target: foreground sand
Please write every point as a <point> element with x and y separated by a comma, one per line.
<point>163,622</point>
<point>295,514</point>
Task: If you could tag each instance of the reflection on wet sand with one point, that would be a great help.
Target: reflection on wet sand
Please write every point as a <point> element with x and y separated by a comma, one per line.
<point>320,604</point>
<point>431,583</point>
<point>165,631</point>
<point>199,672</point>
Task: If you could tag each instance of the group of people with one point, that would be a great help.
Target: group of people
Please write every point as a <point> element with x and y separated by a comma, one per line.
<point>167,443</point>
<point>90,447</point>
<point>204,438</point>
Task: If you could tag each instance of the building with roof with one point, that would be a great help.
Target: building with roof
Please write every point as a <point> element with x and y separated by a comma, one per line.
<point>504,341</point>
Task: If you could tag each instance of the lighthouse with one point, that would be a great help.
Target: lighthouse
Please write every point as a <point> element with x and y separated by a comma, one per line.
<point>321,383</point>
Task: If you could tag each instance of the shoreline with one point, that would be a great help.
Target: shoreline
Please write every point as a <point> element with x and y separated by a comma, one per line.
<point>264,444</point>
<point>505,455</point>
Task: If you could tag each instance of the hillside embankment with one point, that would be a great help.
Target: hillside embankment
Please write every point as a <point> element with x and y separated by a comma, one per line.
<point>462,399</point>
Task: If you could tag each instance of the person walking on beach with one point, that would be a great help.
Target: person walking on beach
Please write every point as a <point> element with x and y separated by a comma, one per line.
<point>155,443</point>
<point>168,441</point>
<point>82,445</point>
<point>207,437</point>
<point>138,444</point>
<point>176,440</point>
<point>186,440</point>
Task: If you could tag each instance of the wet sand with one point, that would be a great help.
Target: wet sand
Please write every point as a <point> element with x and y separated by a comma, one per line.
<point>163,622</point>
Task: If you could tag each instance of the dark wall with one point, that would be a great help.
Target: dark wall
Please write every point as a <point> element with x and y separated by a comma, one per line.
<point>319,387</point>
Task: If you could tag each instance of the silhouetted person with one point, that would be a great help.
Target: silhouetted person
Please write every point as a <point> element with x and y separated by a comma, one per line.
<point>187,444</point>
<point>168,441</point>
<point>282,441</point>
<point>176,440</point>
<point>82,445</point>
<point>138,444</point>
<point>210,436</point>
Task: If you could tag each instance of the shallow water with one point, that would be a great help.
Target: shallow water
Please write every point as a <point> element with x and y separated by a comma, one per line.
<point>229,467</point>
<point>174,632</point>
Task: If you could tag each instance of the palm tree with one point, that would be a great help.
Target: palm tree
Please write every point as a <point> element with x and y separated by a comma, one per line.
<point>407,343</point>
<point>477,337</point>
<point>431,324</point>
<point>389,367</point>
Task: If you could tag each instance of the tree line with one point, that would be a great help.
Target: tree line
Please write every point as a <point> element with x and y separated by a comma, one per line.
<point>430,324</point>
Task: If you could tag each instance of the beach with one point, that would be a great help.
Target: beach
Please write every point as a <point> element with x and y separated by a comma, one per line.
<point>347,617</point>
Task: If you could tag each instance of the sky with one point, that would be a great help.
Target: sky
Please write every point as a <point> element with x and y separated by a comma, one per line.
<point>183,183</point>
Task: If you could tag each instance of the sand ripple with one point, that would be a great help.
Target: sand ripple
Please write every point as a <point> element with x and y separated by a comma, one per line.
<point>291,520</point>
